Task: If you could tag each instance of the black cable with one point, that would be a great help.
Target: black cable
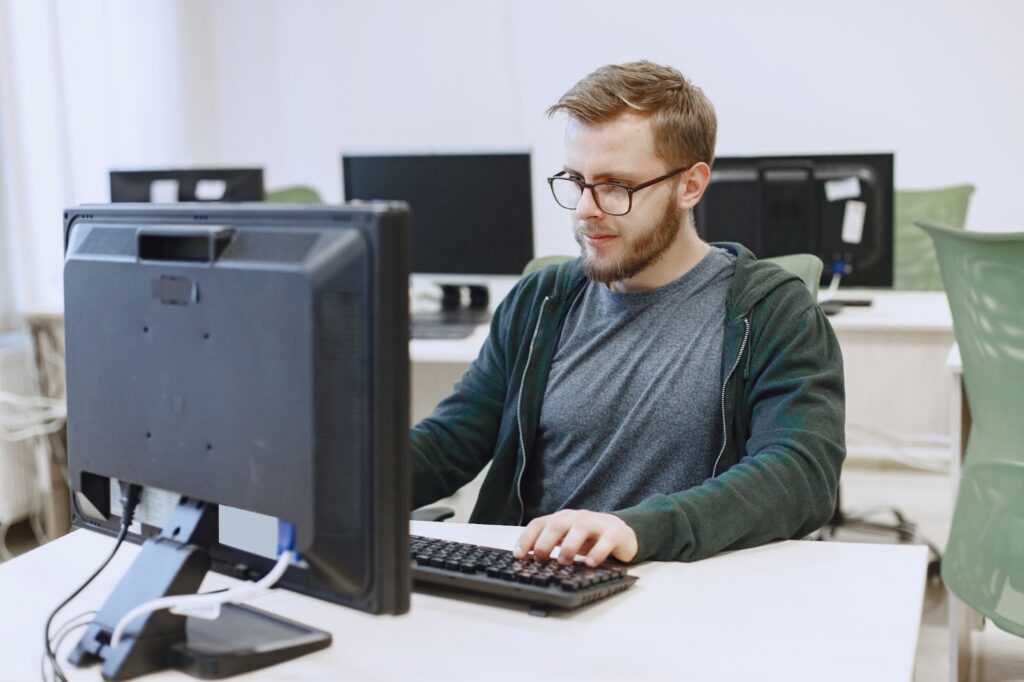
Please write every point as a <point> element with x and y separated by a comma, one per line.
<point>62,632</point>
<point>130,495</point>
<point>58,673</point>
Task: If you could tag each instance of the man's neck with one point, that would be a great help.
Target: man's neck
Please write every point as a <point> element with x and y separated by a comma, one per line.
<point>684,254</point>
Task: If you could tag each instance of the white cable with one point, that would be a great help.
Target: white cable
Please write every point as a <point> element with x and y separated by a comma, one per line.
<point>21,434</point>
<point>32,432</point>
<point>206,606</point>
<point>32,401</point>
<point>833,287</point>
<point>21,418</point>
<point>24,417</point>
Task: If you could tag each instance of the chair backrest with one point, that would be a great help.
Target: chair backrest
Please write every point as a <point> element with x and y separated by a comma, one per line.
<point>804,265</point>
<point>984,278</point>
<point>542,262</point>
<point>297,194</point>
<point>914,264</point>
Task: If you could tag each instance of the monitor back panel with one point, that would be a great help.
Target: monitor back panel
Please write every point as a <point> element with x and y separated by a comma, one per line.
<point>251,357</point>
<point>838,207</point>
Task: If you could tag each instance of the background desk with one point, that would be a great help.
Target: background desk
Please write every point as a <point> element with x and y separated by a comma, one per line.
<point>894,352</point>
<point>786,611</point>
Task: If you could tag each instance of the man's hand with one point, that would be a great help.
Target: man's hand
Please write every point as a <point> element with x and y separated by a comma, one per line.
<point>574,531</point>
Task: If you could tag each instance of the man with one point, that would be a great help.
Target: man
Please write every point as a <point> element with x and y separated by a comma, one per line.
<point>659,397</point>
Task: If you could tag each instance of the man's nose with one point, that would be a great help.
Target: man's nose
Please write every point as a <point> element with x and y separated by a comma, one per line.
<point>587,208</point>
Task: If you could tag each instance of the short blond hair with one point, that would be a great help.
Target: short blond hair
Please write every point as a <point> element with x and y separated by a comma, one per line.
<point>682,118</point>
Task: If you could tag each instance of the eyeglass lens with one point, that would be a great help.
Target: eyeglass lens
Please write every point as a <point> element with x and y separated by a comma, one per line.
<point>611,199</point>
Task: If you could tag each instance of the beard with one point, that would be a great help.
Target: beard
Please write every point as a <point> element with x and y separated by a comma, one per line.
<point>639,252</point>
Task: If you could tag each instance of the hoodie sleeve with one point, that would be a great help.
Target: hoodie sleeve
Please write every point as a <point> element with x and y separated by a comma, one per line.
<point>454,443</point>
<point>785,484</point>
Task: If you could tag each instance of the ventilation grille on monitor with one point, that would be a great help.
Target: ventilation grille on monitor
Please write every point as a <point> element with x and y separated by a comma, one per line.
<point>341,372</point>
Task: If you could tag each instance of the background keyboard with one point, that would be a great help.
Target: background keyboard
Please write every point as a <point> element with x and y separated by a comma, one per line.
<point>496,573</point>
<point>446,324</point>
<point>436,329</point>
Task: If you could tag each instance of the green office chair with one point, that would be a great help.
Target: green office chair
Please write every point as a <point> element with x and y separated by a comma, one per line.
<point>914,264</point>
<point>542,262</point>
<point>984,278</point>
<point>296,194</point>
<point>806,266</point>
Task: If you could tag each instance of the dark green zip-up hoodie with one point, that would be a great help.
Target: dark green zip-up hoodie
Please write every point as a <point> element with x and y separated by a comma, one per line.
<point>782,414</point>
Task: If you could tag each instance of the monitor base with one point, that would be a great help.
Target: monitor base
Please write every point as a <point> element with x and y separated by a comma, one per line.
<point>243,639</point>
<point>174,563</point>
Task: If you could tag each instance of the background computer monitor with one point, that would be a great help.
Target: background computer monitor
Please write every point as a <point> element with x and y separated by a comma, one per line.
<point>472,214</point>
<point>838,207</point>
<point>255,357</point>
<point>179,185</point>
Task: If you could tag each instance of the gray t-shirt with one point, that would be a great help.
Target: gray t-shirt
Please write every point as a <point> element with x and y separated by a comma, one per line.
<point>631,407</point>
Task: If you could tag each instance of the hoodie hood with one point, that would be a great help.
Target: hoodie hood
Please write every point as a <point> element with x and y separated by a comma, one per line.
<point>753,279</point>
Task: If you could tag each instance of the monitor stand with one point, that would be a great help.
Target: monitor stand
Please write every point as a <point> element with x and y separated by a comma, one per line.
<point>453,309</point>
<point>175,562</point>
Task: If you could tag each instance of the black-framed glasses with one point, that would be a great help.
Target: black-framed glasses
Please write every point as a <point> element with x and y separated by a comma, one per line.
<point>612,198</point>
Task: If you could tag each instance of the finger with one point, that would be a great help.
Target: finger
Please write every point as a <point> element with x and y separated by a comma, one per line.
<point>587,546</point>
<point>554,530</point>
<point>572,543</point>
<point>601,549</point>
<point>528,537</point>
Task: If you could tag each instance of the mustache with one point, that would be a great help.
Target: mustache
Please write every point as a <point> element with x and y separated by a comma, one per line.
<point>585,229</point>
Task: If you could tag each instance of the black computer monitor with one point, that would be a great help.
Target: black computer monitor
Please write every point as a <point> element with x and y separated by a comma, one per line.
<point>837,206</point>
<point>182,185</point>
<point>472,214</point>
<point>250,356</point>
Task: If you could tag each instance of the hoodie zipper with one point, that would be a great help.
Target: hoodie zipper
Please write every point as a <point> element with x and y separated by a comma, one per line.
<point>725,431</point>
<point>519,410</point>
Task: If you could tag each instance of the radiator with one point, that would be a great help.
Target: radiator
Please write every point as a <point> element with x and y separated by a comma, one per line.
<point>19,494</point>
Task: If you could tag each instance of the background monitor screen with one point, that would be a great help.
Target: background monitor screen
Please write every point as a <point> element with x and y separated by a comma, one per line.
<point>471,213</point>
<point>255,357</point>
<point>838,207</point>
<point>178,185</point>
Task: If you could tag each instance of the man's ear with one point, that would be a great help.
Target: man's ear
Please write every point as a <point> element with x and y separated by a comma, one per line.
<point>695,181</point>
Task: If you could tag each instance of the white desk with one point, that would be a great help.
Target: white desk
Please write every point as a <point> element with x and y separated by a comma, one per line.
<point>786,611</point>
<point>894,352</point>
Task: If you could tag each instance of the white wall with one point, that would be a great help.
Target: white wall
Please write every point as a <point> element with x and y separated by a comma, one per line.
<point>289,84</point>
<point>936,82</point>
<point>84,87</point>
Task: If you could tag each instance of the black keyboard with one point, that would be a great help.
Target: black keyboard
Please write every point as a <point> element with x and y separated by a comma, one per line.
<point>496,573</point>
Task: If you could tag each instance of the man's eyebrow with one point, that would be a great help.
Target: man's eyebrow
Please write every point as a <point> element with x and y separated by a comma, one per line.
<point>618,175</point>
